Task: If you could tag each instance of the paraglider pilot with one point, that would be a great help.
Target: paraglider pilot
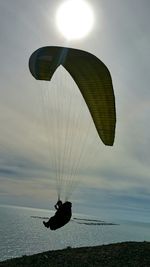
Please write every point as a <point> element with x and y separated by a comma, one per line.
<point>62,216</point>
<point>58,204</point>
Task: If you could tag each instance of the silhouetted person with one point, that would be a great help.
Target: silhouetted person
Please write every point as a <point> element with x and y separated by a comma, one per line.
<point>58,204</point>
<point>61,217</point>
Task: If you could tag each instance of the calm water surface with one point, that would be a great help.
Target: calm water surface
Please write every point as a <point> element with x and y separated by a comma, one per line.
<point>20,234</point>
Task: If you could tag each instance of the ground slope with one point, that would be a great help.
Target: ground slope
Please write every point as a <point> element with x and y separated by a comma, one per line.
<point>127,254</point>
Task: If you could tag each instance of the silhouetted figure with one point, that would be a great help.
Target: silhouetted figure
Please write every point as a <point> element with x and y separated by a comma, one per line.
<point>61,217</point>
<point>58,204</point>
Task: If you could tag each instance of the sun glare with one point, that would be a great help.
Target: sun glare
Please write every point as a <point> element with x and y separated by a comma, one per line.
<point>74,19</point>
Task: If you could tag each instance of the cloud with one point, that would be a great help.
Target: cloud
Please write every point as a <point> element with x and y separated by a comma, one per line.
<point>117,177</point>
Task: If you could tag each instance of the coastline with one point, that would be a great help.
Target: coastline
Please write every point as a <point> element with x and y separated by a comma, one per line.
<point>123,254</point>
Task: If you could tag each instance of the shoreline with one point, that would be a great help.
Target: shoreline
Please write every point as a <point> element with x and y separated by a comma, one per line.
<point>124,254</point>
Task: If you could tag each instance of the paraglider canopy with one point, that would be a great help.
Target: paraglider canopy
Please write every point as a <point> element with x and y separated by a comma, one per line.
<point>92,78</point>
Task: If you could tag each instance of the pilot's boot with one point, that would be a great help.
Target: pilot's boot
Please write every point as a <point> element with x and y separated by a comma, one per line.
<point>45,224</point>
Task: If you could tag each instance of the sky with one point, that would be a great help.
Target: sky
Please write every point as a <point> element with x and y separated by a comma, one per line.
<point>114,181</point>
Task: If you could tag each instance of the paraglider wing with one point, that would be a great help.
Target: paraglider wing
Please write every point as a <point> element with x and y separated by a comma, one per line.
<point>92,78</point>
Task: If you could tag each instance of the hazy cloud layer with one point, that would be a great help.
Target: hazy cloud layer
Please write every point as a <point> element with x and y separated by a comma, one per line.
<point>115,180</point>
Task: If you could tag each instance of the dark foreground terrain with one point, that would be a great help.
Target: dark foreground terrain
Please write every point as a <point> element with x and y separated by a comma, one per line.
<point>127,254</point>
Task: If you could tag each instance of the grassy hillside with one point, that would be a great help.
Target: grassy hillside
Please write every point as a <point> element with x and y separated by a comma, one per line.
<point>127,254</point>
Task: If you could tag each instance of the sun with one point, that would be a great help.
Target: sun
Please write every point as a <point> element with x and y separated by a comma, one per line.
<point>74,19</point>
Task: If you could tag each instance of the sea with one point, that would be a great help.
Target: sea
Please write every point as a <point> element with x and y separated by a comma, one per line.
<point>22,232</point>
